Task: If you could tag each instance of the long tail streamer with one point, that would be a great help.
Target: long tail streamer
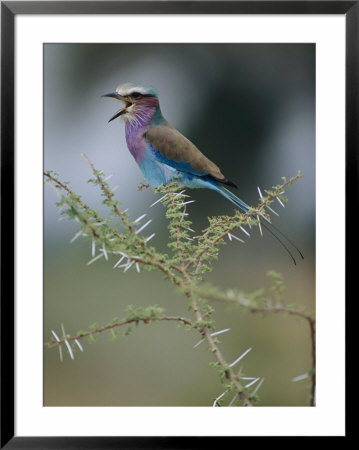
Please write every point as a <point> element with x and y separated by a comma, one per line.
<point>244,207</point>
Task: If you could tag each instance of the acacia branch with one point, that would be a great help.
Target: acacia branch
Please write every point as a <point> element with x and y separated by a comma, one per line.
<point>152,259</point>
<point>237,220</point>
<point>229,375</point>
<point>311,323</point>
<point>188,252</point>
<point>108,194</point>
<point>246,304</point>
<point>121,323</point>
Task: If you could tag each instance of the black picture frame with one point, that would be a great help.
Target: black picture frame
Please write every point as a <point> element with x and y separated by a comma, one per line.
<point>9,10</point>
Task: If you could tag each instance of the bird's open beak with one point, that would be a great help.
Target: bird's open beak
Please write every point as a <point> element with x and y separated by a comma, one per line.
<point>118,97</point>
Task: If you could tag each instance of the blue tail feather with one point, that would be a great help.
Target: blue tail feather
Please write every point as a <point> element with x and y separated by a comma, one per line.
<point>232,198</point>
<point>244,207</point>
<point>192,181</point>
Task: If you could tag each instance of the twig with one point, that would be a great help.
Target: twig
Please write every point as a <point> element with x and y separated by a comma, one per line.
<point>228,373</point>
<point>276,310</point>
<point>98,330</point>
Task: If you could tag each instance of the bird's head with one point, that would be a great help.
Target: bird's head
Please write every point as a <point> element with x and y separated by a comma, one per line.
<point>139,100</point>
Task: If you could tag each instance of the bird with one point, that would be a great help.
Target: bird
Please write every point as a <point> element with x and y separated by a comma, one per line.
<point>163,154</point>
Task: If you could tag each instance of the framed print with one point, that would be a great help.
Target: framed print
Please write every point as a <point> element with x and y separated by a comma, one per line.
<point>171,272</point>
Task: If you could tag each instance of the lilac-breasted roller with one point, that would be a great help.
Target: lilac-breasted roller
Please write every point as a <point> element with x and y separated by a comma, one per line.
<point>163,153</point>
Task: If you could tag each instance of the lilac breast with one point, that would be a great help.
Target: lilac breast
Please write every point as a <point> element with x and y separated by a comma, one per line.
<point>136,127</point>
<point>136,142</point>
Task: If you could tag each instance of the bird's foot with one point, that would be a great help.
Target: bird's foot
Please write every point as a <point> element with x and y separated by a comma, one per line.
<point>143,186</point>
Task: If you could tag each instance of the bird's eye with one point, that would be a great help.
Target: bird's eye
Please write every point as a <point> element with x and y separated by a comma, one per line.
<point>135,95</point>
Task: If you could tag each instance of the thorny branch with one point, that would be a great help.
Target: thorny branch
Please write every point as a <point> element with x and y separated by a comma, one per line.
<point>192,256</point>
<point>245,303</point>
<point>111,326</point>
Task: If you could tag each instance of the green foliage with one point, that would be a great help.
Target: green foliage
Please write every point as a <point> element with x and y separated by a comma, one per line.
<point>146,314</point>
<point>277,287</point>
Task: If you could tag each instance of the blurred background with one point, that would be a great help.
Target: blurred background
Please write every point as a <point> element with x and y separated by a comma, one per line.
<point>251,109</point>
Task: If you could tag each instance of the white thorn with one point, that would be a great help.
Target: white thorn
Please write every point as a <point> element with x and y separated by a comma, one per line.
<point>140,218</point>
<point>138,267</point>
<point>119,261</point>
<point>79,345</point>
<point>93,248</point>
<point>259,225</point>
<point>264,217</point>
<point>143,226</point>
<point>220,332</point>
<point>280,202</point>
<point>229,236</point>
<point>150,237</point>
<point>76,236</point>
<point>129,265</point>
<point>238,239</point>
<point>182,217</point>
<point>104,252</point>
<point>240,357</point>
<point>272,210</point>
<point>186,203</point>
<point>100,255</point>
<point>233,399</point>
<point>212,334</point>
<point>55,336</point>
<point>180,193</point>
<point>252,382</point>
<point>122,265</point>
<point>260,193</point>
<point>57,192</point>
<point>258,386</point>
<point>157,201</point>
<point>60,353</point>
<point>69,349</point>
<point>301,377</point>
<point>218,398</point>
<point>198,343</point>
<point>245,231</point>
<point>108,177</point>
